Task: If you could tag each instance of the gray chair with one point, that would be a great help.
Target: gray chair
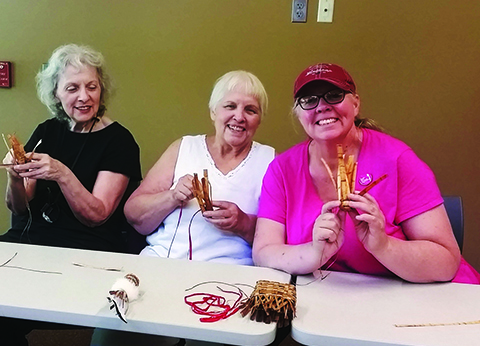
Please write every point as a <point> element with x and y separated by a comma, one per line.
<point>454,207</point>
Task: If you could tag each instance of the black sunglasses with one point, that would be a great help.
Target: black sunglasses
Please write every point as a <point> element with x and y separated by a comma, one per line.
<point>332,97</point>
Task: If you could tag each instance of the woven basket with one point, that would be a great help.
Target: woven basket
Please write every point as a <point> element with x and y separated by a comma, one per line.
<point>271,301</point>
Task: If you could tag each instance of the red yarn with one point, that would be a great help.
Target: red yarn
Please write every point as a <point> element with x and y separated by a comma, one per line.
<point>214,307</point>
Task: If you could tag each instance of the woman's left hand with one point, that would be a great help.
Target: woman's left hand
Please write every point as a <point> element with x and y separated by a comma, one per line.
<point>369,221</point>
<point>42,166</point>
<point>227,216</point>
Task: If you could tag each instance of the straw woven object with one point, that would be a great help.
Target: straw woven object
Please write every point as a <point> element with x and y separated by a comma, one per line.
<point>346,176</point>
<point>201,191</point>
<point>271,301</point>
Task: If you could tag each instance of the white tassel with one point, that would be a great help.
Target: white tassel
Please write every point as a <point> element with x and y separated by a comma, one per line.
<point>123,291</point>
<point>128,286</point>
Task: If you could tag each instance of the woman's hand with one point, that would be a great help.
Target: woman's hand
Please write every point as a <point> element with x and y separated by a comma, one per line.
<point>19,191</point>
<point>369,222</point>
<point>8,160</point>
<point>90,208</point>
<point>227,216</point>
<point>183,191</point>
<point>43,167</point>
<point>328,235</point>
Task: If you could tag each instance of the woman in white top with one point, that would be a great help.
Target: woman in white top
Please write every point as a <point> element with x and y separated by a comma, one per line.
<point>164,208</point>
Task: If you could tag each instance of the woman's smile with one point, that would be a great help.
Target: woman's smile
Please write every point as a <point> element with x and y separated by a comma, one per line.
<point>83,109</point>
<point>324,122</point>
<point>236,128</point>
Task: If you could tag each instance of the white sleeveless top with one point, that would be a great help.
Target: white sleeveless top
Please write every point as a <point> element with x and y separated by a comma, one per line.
<point>241,186</point>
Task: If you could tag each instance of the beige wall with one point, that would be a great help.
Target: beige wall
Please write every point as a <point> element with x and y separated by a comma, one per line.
<point>415,63</point>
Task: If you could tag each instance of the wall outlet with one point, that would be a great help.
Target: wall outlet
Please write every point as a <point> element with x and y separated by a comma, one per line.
<point>325,11</point>
<point>299,11</point>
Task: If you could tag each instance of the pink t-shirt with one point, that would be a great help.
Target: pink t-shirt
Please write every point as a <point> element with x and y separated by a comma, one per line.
<point>289,197</point>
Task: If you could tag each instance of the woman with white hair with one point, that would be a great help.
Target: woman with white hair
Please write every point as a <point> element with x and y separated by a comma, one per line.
<point>71,193</point>
<point>164,208</point>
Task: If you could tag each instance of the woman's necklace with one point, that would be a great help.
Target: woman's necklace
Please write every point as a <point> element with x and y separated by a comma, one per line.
<point>86,127</point>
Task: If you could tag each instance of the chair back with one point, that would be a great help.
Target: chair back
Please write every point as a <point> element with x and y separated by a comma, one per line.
<point>454,207</point>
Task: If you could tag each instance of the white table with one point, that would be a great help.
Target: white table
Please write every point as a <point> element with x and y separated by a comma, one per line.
<point>359,310</point>
<point>78,295</point>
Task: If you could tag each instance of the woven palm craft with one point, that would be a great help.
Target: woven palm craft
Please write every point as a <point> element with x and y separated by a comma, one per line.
<point>346,176</point>
<point>271,301</point>
<point>201,191</point>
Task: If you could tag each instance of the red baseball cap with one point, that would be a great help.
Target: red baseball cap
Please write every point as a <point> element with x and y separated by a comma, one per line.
<point>331,73</point>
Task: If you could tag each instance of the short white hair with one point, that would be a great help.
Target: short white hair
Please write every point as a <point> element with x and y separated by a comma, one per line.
<point>241,81</point>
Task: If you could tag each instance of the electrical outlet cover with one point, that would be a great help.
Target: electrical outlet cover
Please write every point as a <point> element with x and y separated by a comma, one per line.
<point>299,11</point>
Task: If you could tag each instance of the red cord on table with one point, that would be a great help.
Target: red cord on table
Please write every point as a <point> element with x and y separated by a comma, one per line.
<point>214,307</point>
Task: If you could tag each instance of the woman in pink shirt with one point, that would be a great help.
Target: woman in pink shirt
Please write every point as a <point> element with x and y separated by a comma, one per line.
<point>398,228</point>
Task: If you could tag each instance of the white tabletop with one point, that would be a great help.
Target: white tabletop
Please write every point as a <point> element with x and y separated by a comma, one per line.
<point>78,295</point>
<point>354,309</point>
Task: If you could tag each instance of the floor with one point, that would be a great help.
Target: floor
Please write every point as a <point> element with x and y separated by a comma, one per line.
<point>289,342</point>
<point>67,337</point>
<point>81,337</point>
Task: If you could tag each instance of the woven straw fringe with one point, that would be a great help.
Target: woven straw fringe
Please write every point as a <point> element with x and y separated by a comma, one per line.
<point>271,302</point>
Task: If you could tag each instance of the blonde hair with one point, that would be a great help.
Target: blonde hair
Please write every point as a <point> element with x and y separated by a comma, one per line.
<point>367,123</point>
<point>241,81</point>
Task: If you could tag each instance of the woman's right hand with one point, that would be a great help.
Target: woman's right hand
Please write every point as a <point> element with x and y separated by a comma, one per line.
<point>183,191</point>
<point>155,198</point>
<point>18,190</point>
<point>328,235</point>
<point>8,160</point>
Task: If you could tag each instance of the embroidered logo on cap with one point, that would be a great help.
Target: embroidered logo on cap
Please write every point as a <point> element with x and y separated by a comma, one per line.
<point>316,69</point>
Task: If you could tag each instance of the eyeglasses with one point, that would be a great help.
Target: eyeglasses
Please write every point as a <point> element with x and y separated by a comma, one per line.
<point>332,97</point>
